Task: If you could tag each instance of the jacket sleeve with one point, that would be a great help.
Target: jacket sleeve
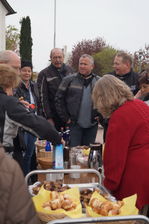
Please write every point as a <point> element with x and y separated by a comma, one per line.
<point>39,104</point>
<point>18,204</point>
<point>45,99</point>
<point>37,125</point>
<point>60,102</point>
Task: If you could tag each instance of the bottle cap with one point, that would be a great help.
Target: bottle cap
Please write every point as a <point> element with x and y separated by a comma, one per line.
<point>48,146</point>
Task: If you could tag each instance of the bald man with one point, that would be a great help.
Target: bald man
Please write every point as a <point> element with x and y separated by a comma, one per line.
<point>11,169</point>
<point>11,58</point>
<point>48,82</point>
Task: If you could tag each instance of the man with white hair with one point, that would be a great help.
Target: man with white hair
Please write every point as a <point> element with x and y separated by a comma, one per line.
<point>48,82</point>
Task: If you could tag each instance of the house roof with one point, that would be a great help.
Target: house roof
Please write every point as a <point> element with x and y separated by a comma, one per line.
<point>8,7</point>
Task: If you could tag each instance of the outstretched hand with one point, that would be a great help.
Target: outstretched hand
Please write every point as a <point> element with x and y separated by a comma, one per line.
<point>138,94</point>
<point>25,103</point>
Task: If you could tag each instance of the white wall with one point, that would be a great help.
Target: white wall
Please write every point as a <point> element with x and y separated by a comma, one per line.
<point>3,13</point>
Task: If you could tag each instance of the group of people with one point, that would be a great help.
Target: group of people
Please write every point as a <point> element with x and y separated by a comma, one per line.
<point>79,101</point>
<point>65,97</point>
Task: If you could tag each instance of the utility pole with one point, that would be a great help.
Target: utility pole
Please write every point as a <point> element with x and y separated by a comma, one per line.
<point>54,23</point>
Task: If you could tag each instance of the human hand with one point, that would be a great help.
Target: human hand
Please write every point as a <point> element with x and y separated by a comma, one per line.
<point>69,121</point>
<point>138,94</point>
<point>63,142</point>
<point>25,103</point>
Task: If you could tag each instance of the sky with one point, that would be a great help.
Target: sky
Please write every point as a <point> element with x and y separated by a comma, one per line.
<point>123,24</point>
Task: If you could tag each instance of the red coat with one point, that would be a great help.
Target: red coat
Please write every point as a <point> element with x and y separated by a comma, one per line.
<point>126,155</point>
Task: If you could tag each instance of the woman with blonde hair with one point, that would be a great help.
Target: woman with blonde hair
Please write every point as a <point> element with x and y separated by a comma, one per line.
<point>9,79</point>
<point>126,154</point>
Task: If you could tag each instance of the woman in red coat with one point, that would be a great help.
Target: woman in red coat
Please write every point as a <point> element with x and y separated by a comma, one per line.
<point>126,155</point>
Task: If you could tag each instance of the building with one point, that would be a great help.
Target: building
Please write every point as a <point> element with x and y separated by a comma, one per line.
<point>5,10</point>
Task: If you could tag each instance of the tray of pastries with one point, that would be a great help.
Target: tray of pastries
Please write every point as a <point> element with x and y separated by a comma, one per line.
<point>74,201</point>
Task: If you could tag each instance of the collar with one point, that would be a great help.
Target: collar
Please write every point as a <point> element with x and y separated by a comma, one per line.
<point>58,69</point>
<point>86,76</point>
<point>23,84</point>
<point>124,75</point>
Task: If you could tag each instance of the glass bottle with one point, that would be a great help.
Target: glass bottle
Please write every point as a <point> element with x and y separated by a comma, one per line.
<point>48,146</point>
<point>67,136</point>
<point>58,161</point>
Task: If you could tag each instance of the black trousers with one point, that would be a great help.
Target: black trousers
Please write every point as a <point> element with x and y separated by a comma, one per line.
<point>82,136</point>
<point>19,148</point>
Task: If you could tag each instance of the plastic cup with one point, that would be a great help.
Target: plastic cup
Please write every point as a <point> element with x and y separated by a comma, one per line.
<point>75,175</point>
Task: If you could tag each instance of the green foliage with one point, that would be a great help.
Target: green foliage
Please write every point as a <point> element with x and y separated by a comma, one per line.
<point>26,39</point>
<point>104,60</point>
<point>12,38</point>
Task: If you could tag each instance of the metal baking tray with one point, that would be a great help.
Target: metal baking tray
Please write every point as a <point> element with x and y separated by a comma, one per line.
<point>80,185</point>
<point>133,219</point>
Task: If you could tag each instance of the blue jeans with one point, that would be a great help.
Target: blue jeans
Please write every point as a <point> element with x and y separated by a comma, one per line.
<point>82,136</point>
<point>30,148</point>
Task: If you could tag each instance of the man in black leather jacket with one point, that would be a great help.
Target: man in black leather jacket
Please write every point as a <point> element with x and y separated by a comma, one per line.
<point>48,82</point>
<point>74,103</point>
<point>123,70</point>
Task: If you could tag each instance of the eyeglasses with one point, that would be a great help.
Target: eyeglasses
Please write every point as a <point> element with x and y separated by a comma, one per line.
<point>57,57</point>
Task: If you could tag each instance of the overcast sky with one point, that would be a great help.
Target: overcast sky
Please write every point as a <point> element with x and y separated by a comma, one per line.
<point>123,24</point>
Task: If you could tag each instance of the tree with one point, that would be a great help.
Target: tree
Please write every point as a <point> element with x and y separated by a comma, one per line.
<point>85,47</point>
<point>12,38</point>
<point>104,60</point>
<point>26,39</point>
<point>141,59</point>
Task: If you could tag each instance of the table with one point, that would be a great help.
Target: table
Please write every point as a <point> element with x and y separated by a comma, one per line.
<point>86,175</point>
